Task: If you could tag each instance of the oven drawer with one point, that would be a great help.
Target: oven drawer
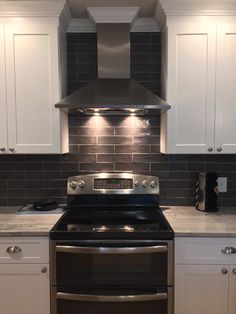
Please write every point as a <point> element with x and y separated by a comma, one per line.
<point>116,302</point>
<point>113,264</point>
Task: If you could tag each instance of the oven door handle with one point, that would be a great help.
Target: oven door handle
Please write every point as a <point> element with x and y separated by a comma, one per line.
<point>112,298</point>
<point>111,250</point>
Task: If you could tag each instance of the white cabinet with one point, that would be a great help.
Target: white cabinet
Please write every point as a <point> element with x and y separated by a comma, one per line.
<point>3,108</point>
<point>201,289</point>
<point>31,66</point>
<point>225,128</point>
<point>205,278</point>
<point>199,84</point>
<point>24,276</point>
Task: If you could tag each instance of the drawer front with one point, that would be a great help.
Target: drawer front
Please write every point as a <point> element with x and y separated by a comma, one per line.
<point>205,251</point>
<point>24,250</point>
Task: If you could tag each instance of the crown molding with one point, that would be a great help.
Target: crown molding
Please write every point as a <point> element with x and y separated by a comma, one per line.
<point>83,25</point>
<point>32,8</point>
<point>197,8</point>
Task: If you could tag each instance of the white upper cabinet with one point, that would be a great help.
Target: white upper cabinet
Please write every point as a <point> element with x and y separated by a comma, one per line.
<point>31,63</point>
<point>199,71</point>
<point>190,88</point>
<point>225,128</point>
<point>3,108</point>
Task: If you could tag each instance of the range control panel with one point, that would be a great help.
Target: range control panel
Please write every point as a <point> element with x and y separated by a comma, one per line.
<point>113,183</point>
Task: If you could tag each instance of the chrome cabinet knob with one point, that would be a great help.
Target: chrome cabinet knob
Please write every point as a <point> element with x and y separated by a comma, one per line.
<point>224,271</point>
<point>44,270</point>
<point>219,149</point>
<point>228,250</point>
<point>13,249</point>
<point>3,149</point>
<point>81,184</point>
<point>11,149</point>
<point>234,271</point>
<point>210,149</point>
<point>73,185</point>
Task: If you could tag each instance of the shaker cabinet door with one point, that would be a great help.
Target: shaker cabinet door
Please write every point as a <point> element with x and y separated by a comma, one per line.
<point>225,130</point>
<point>232,290</point>
<point>32,88</point>
<point>190,88</point>
<point>201,289</point>
<point>3,111</point>
<point>24,289</point>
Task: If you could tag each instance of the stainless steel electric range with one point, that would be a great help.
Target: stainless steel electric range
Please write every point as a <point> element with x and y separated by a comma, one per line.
<point>112,250</point>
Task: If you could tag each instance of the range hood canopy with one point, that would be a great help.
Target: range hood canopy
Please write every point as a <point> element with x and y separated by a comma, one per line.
<point>114,93</point>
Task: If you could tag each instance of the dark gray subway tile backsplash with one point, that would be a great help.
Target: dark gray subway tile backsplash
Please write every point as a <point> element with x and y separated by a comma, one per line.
<point>112,143</point>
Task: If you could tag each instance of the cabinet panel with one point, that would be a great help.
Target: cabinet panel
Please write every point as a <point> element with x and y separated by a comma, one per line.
<point>190,88</point>
<point>225,132</point>
<point>32,250</point>
<point>204,251</point>
<point>232,290</point>
<point>32,88</point>
<point>3,112</point>
<point>201,289</point>
<point>24,289</point>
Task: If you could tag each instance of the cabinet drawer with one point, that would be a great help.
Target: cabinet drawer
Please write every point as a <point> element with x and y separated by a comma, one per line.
<point>204,251</point>
<point>24,250</point>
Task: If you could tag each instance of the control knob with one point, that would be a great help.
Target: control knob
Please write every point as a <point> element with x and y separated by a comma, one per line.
<point>144,183</point>
<point>136,183</point>
<point>153,184</point>
<point>73,185</point>
<point>81,184</point>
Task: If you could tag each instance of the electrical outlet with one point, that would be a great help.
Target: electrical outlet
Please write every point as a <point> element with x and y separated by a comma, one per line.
<point>222,184</point>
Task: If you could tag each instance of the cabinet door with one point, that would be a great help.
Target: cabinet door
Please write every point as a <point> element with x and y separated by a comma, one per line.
<point>232,290</point>
<point>32,88</point>
<point>3,112</point>
<point>225,133</point>
<point>24,289</point>
<point>190,88</point>
<point>201,289</point>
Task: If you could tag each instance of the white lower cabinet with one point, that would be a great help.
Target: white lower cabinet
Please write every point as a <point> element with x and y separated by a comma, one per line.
<point>24,289</point>
<point>24,276</point>
<point>205,277</point>
<point>201,289</point>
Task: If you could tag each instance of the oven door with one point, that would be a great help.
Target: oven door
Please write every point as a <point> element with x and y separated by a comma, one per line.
<point>116,302</point>
<point>111,263</point>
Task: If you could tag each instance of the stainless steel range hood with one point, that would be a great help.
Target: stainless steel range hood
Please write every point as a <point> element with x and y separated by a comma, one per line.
<point>114,93</point>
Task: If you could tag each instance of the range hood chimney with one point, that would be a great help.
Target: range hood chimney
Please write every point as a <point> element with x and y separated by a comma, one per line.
<point>114,93</point>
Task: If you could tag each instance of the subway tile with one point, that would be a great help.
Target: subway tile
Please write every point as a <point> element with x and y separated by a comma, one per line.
<point>133,167</point>
<point>114,158</point>
<point>146,140</point>
<point>124,140</point>
<point>95,131</point>
<point>150,158</point>
<point>22,184</point>
<point>129,149</point>
<point>60,183</point>
<point>97,167</point>
<point>96,149</point>
<point>82,139</point>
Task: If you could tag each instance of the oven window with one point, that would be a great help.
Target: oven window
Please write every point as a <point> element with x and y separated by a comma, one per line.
<point>148,269</point>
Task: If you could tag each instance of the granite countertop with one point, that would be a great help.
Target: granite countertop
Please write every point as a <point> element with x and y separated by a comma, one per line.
<point>13,224</point>
<point>185,221</point>
<point>188,222</point>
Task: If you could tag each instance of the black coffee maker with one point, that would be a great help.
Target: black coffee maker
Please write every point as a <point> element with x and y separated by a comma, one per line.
<point>206,192</point>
